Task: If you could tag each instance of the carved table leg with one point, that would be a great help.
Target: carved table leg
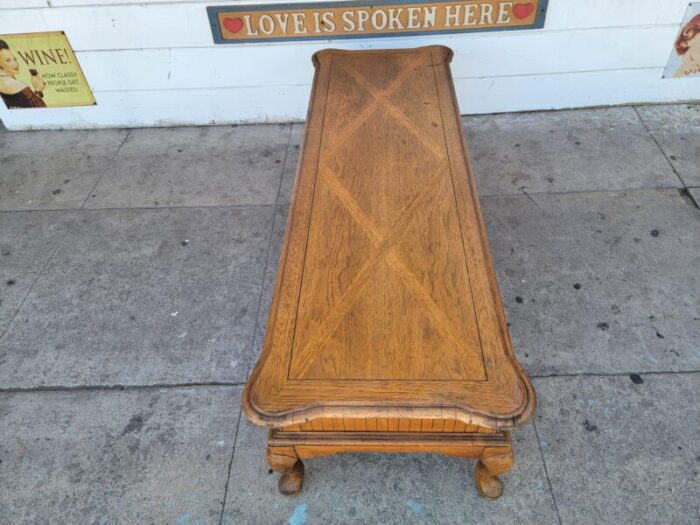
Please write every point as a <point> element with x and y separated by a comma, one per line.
<point>494,461</point>
<point>285,461</point>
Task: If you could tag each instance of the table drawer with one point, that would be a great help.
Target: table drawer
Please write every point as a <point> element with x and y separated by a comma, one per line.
<point>386,425</point>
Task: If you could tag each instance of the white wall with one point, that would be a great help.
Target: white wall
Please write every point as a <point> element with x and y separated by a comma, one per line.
<point>153,63</point>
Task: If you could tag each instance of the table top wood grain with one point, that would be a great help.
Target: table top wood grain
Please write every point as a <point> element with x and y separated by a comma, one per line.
<point>386,303</point>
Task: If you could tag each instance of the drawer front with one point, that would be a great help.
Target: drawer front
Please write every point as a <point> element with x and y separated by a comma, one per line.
<point>386,425</point>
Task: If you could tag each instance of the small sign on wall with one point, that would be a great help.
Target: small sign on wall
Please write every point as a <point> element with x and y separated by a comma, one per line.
<point>685,56</point>
<point>362,19</point>
<point>39,70</point>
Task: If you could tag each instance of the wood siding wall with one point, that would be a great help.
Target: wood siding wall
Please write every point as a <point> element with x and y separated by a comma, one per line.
<point>153,62</point>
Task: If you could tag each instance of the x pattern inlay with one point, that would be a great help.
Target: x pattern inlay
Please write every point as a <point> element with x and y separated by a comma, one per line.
<point>383,241</point>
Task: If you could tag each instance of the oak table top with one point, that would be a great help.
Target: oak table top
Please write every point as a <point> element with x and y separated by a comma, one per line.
<point>386,303</point>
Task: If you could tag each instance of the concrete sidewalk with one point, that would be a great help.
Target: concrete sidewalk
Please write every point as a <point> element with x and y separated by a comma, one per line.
<point>136,272</point>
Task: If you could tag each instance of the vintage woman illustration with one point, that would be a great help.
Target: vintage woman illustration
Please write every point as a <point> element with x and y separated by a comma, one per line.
<point>14,92</point>
<point>688,49</point>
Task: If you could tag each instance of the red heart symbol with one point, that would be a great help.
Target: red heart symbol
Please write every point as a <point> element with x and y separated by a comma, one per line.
<point>233,25</point>
<point>522,11</point>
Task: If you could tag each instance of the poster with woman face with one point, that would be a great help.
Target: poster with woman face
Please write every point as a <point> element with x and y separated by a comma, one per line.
<point>39,70</point>
<point>685,56</point>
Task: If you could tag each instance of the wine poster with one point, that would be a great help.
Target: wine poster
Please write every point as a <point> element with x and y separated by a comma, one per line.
<point>40,70</point>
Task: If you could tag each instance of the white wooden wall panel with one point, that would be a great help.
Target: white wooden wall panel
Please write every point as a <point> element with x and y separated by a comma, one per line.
<point>26,4</point>
<point>284,104</point>
<point>597,88</point>
<point>69,3</point>
<point>117,27</point>
<point>488,56</point>
<point>153,62</point>
<point>172,107</point>
<point>561,13</point>
<point>614,13</point>
<point>184,25</point>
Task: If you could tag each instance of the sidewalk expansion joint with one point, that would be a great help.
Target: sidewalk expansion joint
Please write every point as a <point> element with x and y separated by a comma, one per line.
<point>119,388</point>
<point>230,464</point>
<point>229,384</point>
<point>688,197</point>
<point>546,472</point>
<point>614,374</point>
<point>675,171</point>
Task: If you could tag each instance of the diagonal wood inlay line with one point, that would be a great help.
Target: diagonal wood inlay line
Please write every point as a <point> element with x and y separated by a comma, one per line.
<point>382,98</point>
<point>442,323</point>
<point>414,286</point>
<point>305,354</point>
<point>352,206</point>
<point>351,128</point>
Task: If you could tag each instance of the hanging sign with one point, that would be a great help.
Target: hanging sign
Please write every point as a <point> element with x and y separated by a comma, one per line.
<point>362,19</point>
<point>39,70</point>
<point>684,61</point>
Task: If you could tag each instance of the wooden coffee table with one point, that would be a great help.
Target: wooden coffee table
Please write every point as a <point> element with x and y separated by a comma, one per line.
<point>386,332</point>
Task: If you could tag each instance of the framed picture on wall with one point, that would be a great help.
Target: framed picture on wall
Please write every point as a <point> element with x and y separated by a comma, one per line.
<point>40,70</point>
<point>685,55</point>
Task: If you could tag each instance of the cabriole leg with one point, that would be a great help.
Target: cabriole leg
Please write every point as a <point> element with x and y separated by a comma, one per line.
<point>494,461</point>
<point>285,461</point>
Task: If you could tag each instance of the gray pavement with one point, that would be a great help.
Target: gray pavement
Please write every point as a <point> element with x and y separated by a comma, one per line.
<point>136,273</point>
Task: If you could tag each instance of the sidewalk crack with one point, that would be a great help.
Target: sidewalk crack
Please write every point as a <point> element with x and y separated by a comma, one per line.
<point>230,464</point>
<point>522,189</point>
<point>39,274</point>
<point>128,134</point>
<point>612,374</point>
<point>284,161</point>
<point>675,171</point>
<point>546,472</point>
<point>88,388</point>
